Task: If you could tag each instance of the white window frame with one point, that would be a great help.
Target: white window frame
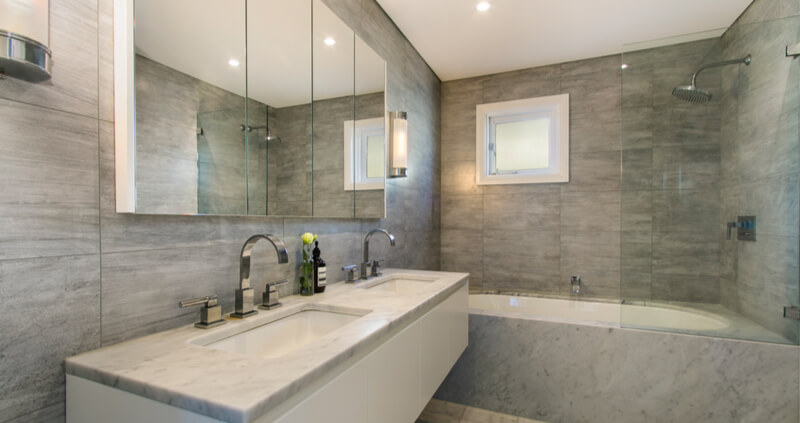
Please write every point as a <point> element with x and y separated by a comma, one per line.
<point>555,107</point>
<point>357,133</point>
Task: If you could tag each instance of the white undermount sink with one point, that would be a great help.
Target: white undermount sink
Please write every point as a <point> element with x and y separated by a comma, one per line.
<point>285,335</point>
<point>401,284</point>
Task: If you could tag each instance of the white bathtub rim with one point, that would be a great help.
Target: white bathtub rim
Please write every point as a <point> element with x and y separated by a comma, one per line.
<point>527,316</point>
<point>614,325</point>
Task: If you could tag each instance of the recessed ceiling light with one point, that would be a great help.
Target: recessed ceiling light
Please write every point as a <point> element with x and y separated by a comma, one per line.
<point>483,6</point>
<point>624,66</point>
<point>233,62</point>
<point>329,41</point>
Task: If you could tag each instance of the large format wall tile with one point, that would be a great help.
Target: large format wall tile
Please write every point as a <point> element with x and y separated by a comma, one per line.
<point>48,199</point>
<point>52,310</point>
<point>760,166</point>
<point>521,225</point>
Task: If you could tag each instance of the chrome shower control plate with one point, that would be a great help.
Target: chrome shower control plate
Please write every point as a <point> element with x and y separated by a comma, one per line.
<point>746,229</point>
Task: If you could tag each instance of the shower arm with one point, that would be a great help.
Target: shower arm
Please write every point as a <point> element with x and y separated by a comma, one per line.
<point>745,60</point>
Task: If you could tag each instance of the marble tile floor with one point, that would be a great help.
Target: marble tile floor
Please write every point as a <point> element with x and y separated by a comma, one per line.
<point>438,411</point>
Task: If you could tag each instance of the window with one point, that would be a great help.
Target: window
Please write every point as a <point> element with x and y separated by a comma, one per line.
<point>364,154</point>
<point>523,141</point>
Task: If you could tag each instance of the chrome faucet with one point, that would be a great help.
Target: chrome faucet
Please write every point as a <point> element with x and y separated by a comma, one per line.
<point>375,265</point>
<point>244,306</point>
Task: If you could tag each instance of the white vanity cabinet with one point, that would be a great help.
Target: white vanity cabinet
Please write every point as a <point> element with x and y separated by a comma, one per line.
<point>394,382</point>
<point>389,383</point>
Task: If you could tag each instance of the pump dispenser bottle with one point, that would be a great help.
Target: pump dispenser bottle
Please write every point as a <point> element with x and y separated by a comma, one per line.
<point>320,270</point>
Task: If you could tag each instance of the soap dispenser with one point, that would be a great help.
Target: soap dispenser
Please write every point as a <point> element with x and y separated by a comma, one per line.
<point>320,270</point>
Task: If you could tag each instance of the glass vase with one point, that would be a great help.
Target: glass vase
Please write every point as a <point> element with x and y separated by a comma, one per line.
<point>307,278</point>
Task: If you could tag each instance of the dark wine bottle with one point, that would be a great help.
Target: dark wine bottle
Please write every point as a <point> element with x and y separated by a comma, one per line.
<point>320,270</point>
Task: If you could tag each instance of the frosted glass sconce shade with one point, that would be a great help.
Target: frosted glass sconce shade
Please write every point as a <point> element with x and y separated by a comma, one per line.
<point>24,36</point>
<point>398,128</point>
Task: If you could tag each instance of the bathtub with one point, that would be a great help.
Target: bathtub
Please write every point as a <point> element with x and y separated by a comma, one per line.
<point>661,317</point>
<point>560,360</point>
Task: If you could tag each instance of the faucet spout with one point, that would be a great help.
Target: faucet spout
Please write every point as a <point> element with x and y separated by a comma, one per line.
<point>247,248</point>
<point>244,295</point>
<point>369,235</point>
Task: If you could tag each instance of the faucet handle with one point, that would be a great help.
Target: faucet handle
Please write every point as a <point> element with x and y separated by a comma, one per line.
<point>271,285</point>
<point>210,315</point>
<point>376,270</point>
<point>350,272</point>
<point>269,298</point>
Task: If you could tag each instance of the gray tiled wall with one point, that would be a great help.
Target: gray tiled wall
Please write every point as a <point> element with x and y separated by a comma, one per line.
<point>533,237</point>
<point>74,275</point>
<point>760,156</point>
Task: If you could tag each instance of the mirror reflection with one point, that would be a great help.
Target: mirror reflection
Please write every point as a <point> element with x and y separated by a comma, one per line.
<point>218,132</point>
<point>186,77</point>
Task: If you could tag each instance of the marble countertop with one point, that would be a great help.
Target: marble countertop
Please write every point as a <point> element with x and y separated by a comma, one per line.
<point>167,367</point>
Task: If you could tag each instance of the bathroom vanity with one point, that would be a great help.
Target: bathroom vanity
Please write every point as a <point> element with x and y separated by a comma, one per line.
<point>371,351</point>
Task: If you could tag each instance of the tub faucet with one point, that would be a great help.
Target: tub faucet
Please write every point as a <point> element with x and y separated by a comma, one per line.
<point>244,295</point>
<point>365,264</point>
<point>575,281</point>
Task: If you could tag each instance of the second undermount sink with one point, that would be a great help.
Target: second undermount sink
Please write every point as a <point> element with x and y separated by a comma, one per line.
<point>285,335</point>
<point>401,284</point>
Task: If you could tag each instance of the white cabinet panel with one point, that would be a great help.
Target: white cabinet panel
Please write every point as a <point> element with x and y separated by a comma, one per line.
<point>457,306</point>
<point>434,350</point>
<point>394,377</point>
<point>343,399</point>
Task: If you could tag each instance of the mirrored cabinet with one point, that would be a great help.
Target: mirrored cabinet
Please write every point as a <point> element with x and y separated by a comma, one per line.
<point>247,107</point>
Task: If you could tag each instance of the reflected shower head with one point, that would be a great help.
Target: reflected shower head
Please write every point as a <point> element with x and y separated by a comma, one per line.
<point>268,138</point>
<point>271,138</point>
<point>695,95</point>
<point>692,94</point>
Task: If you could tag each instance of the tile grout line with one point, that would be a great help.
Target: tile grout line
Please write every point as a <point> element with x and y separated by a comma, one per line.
<point>99,181</point>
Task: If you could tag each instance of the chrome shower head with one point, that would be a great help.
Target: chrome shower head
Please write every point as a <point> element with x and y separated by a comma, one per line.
<point>271,138</point>
<point>693,94</point>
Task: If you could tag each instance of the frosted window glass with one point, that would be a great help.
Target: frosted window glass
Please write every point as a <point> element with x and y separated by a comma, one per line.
<point>375,155</point>
<point>522,145</point>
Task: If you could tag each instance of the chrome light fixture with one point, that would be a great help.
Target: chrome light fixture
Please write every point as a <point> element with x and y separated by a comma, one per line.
<point>24,34</point>
<point>398,131</point>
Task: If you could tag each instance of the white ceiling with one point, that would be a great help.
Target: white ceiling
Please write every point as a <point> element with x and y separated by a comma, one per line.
<point>198,37</point>
<point>457,41</point>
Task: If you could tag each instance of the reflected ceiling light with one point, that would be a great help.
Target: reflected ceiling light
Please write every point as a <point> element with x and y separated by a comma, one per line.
<point>233,62</point>
<point>483,6</point>
<point>624,66</point>
<point>398,131</point>
<point>329,41</point>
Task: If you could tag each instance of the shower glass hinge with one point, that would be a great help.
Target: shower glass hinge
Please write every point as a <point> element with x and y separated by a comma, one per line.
<point>791,313</point>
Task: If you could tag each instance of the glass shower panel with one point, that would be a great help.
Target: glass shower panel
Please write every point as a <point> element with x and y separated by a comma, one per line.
<point>221,153</point>
<point>693,169</point>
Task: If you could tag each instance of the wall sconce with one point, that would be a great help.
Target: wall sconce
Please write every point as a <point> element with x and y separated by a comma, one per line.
<point>398,130</point>
<point>24,35</point>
